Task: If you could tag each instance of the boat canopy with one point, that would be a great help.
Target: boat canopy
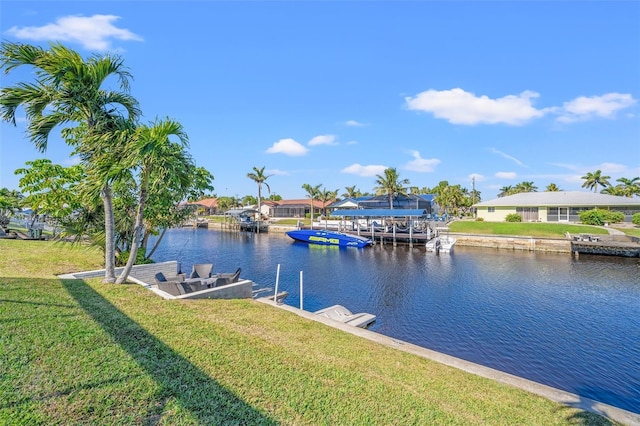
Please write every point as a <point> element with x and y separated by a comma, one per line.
<point>380,212</point>
<point>241,212</point>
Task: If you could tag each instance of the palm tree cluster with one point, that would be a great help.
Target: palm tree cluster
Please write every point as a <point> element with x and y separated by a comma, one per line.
<point>519,188</point>
<point>626,187</point>
<point>592,181</point>
<point>123,162</point>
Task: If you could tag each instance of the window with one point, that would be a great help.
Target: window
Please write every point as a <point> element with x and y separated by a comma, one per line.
<point>491,209</point>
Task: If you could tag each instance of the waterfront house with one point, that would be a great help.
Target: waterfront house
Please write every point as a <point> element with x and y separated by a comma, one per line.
<point>411,201</point>
<point>206,206</point>
<point>295,208</point>
<point>554,206</point>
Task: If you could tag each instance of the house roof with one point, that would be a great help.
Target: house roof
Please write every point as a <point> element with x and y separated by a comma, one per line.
<point>560,199</point>
<point>346,202</point>
<point>206,202</point>
<point>303,202</point>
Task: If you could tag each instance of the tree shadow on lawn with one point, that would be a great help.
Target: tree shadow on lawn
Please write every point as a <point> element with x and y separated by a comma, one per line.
<point>206,400</point>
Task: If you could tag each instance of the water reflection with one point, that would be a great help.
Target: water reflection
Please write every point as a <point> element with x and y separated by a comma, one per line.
<point>569,323</point>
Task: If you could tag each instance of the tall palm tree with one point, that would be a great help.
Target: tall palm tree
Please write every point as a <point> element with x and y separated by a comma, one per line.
<point>260,178</point>
<point>158,161</point>
<point>312,192</point>
<point>552,187</point>
<point>595,179</point>
<point>390,184</point>
<point>68,89</point>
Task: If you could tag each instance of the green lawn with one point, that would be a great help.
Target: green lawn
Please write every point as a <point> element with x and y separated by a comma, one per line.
<point>552,230</point>
<point>83,352</point>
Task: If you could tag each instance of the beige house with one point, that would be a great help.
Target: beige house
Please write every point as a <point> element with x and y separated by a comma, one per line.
<point>560,206</point>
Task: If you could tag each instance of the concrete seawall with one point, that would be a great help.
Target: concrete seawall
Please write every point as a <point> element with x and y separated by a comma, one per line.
<point>526,243</point>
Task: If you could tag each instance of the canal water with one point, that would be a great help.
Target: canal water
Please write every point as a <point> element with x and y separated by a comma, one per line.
<point>573,324</point>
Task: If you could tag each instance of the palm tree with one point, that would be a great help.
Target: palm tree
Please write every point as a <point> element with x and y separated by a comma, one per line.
<point>505,190</point>
<point>595,179</point>
<point>451,196</point>
<point>326,196</point>
<point>390,184</point>
<point>351,192</point>
<point>312,192</point>
<point>630,187</point>
<point>67,89</point>
<point>10,201</point>
<point>526,187</point>
<point>552,187</point>
<point>617,190</point>
<point>259,177</point>
<point>159,162</point>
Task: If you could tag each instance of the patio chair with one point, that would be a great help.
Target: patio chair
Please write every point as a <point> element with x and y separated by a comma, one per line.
<point>201,270</point>
<point>172,287</point>
<point>227,278</point>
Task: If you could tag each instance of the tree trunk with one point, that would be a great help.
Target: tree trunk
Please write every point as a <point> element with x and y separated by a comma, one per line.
<point>135,243</point>
<point>259,209</point>
<point>155,246</point>
<point>109,230</point>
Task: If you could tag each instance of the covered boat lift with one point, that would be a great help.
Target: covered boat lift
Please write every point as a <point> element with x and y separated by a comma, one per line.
<point>413,229</point>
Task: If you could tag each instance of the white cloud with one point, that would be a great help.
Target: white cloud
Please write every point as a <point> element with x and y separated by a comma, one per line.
<point>585,108</point>
<point>354,123</point>
<point>323,140</point>
<point>276,172</point>
<point>419,164</point>
<point>460,107</point>
<point>366,171</point>
<point>288,147</point>
<point>508,157</point>
<point>506,175</point>
<point>93,33</point>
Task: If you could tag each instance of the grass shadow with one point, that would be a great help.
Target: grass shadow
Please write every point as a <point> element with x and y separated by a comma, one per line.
<point>206,401</point>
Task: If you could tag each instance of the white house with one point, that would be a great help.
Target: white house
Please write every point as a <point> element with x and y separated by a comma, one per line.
<point>558,206</point>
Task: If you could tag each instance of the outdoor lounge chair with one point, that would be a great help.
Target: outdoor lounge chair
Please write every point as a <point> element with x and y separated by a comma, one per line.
<point>201,270</point>
<point>168,286</point>
<point>175,287</point>
<point>226,278</point>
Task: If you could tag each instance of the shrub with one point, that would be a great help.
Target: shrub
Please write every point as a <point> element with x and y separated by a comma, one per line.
<point>600,217</point>
<point>636,219</point>
<point>513,217</point>
<point>141,259</point>
<point>479,219</point>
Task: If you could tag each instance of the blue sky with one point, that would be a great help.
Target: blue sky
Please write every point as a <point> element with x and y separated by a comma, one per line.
<point>332,93</point>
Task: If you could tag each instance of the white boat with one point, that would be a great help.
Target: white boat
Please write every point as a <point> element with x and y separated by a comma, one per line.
<point>447,243</point>
<point>433,245</point>
<point>440,244</point>
<point>342,314</point>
